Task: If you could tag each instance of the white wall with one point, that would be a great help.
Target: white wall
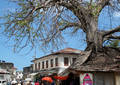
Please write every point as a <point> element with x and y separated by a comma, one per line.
<point>45,59</point>
<point>60,61</point>
<point>19,75</point>
<point>6,77</point>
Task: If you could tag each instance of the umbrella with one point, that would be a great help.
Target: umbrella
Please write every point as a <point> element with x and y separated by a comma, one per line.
<point>49,79</point>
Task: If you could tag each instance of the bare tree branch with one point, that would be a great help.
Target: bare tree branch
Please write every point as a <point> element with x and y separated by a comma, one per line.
<point>106,33</point>
<point>59,30</point>
<point>114,37</point>
<point>40,21</point>
<point>45,5</point>
<point>111,37</point>
<point>70,25</point>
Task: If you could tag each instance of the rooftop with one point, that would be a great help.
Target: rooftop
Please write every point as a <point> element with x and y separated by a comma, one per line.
<point>63,51</point>
<point>3,71</point>
<point>68,50</point>
<point>107,60</point>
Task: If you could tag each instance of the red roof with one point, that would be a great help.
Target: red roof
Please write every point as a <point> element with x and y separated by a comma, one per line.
<point>68,50</point>
<point>64,51</point>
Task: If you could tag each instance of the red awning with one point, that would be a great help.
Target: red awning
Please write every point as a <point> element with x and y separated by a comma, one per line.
<point>61,77</point>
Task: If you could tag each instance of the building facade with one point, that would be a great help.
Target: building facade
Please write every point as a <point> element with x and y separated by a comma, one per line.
<point>9,67</point>
<point>6,65</point>
<point>19,75</point>
<point>5,75</point>
<point>55,62</point>
<point>27,70</point>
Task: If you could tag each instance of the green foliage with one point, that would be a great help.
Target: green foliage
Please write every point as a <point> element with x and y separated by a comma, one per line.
<point>114,43</point>
<point>94,9</point>
<point>39,22</point>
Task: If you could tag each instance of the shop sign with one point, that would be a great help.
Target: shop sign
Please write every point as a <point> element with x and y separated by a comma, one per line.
<point>86,79</point>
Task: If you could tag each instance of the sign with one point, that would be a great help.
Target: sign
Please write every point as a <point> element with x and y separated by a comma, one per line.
<point>86,79</point>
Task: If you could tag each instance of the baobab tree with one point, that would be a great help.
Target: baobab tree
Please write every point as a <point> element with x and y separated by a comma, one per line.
<point>44,21</point>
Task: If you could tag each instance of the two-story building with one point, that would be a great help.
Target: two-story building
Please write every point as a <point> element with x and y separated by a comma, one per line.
<point>55,62</point>
<point>5,75</point>
<point>27,71</point>
<point>9,67</point>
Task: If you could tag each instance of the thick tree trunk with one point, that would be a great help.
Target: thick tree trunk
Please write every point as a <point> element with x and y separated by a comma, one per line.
<point>94,38</point>
<point>89,25</point>
<point>94,42</point>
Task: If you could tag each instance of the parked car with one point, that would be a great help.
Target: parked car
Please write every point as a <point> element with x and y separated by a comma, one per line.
<point>3,82</point>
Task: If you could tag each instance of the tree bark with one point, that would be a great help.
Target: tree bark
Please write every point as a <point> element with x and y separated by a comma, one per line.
<point>94,38</point>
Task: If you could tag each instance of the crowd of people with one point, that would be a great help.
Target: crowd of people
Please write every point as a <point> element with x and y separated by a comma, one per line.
<point>42,82</point>
<point>50,80</point>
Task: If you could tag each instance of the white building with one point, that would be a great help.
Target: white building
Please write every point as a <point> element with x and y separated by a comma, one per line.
<point>7,67</point>
<point>55,62</point>
<point>19,75</point>
<point>5,75</point>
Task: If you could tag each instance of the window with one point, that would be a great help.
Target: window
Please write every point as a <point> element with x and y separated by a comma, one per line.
<point>73,60</point>
<point>65,61</point>
<point>43,65</point>
<point>56,61</point>
<point>47,64</point>
<point>36,66</point>
<point>51,62</point>
<point>1,77</point>
<point>39,65</point>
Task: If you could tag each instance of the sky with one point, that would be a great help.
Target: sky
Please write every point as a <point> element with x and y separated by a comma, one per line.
<point>21,60</point>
